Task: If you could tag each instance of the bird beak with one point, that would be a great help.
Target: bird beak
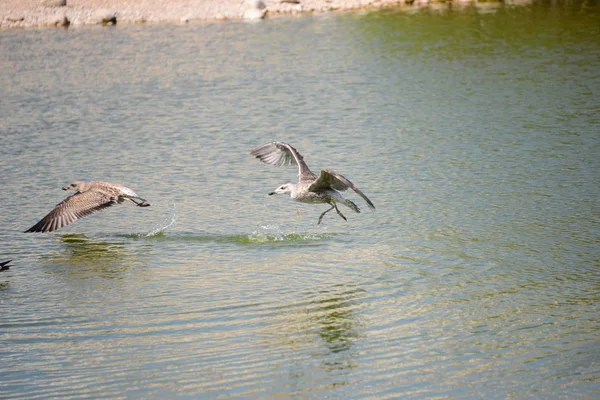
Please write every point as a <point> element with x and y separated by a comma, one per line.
<point>66,188</point>
<point>272,193</point>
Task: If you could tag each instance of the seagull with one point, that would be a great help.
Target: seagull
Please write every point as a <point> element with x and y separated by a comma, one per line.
<point>89,197</point>
<point>4,266</point>
<point>310,188</point>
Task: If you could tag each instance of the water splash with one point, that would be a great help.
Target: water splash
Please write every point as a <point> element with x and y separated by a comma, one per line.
<point>273,234</point>
<point>165,223</point>
<point>264,235</point>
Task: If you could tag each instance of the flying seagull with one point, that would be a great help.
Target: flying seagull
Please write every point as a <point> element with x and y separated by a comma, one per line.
<point>89,197</point>
<point>310,188</point>
<point>4,266</point>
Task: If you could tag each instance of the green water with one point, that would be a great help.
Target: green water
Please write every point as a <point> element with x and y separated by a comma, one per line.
<point>475,131</point>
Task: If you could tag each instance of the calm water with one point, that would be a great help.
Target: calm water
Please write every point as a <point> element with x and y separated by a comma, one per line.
<point>475,132</point>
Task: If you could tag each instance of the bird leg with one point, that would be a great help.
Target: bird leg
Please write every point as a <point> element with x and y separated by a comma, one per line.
<point>143,202</point>
<point>325,212</point>
<point>339,212</point>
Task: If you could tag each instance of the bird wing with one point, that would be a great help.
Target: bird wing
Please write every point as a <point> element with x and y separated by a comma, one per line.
<point>331,179</point>
<point>74,207</point>
<point>277,153</point>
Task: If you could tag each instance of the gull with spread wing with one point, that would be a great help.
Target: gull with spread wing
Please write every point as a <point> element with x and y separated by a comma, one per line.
<point>310,188</point>
<point>89,197</point>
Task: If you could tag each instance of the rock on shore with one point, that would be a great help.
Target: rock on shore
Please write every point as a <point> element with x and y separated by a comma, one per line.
<point>31,13</point>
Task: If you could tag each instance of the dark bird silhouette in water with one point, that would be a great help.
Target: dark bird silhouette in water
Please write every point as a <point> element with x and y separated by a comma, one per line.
<point>4,266</point>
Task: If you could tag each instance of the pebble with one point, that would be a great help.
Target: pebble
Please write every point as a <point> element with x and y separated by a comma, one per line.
<point>30,13</point>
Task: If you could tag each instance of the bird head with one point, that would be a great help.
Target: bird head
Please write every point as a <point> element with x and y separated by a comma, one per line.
<point>78,186</point>
<point>283,189</point>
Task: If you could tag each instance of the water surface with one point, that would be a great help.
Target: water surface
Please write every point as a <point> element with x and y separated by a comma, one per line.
<point>474,132</point>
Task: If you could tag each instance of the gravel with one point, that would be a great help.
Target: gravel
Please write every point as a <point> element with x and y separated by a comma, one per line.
<point>35,13</point>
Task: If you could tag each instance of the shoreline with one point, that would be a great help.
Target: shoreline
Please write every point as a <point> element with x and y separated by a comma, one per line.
<point>65,13</point>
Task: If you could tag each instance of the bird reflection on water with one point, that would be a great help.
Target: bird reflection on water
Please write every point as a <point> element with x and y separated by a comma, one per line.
<point>86,258</point>
<point>326,319</point>
<point>333,313</point>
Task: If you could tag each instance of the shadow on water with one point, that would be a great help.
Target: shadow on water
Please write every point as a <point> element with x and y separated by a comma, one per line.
<point>263,236</point>
<point>86,257</point>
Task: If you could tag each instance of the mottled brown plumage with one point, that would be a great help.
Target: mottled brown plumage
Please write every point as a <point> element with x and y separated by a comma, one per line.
<point>89,197</point>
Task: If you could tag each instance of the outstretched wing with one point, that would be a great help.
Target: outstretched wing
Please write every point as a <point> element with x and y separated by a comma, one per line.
<point>331,179</point>
<point>73,208</point>
<point>278,153</point>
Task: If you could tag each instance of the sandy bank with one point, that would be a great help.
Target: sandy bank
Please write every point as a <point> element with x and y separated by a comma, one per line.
<point>32,13</point>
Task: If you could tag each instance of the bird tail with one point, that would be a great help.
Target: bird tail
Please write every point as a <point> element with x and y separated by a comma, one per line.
<point>351,205</point>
